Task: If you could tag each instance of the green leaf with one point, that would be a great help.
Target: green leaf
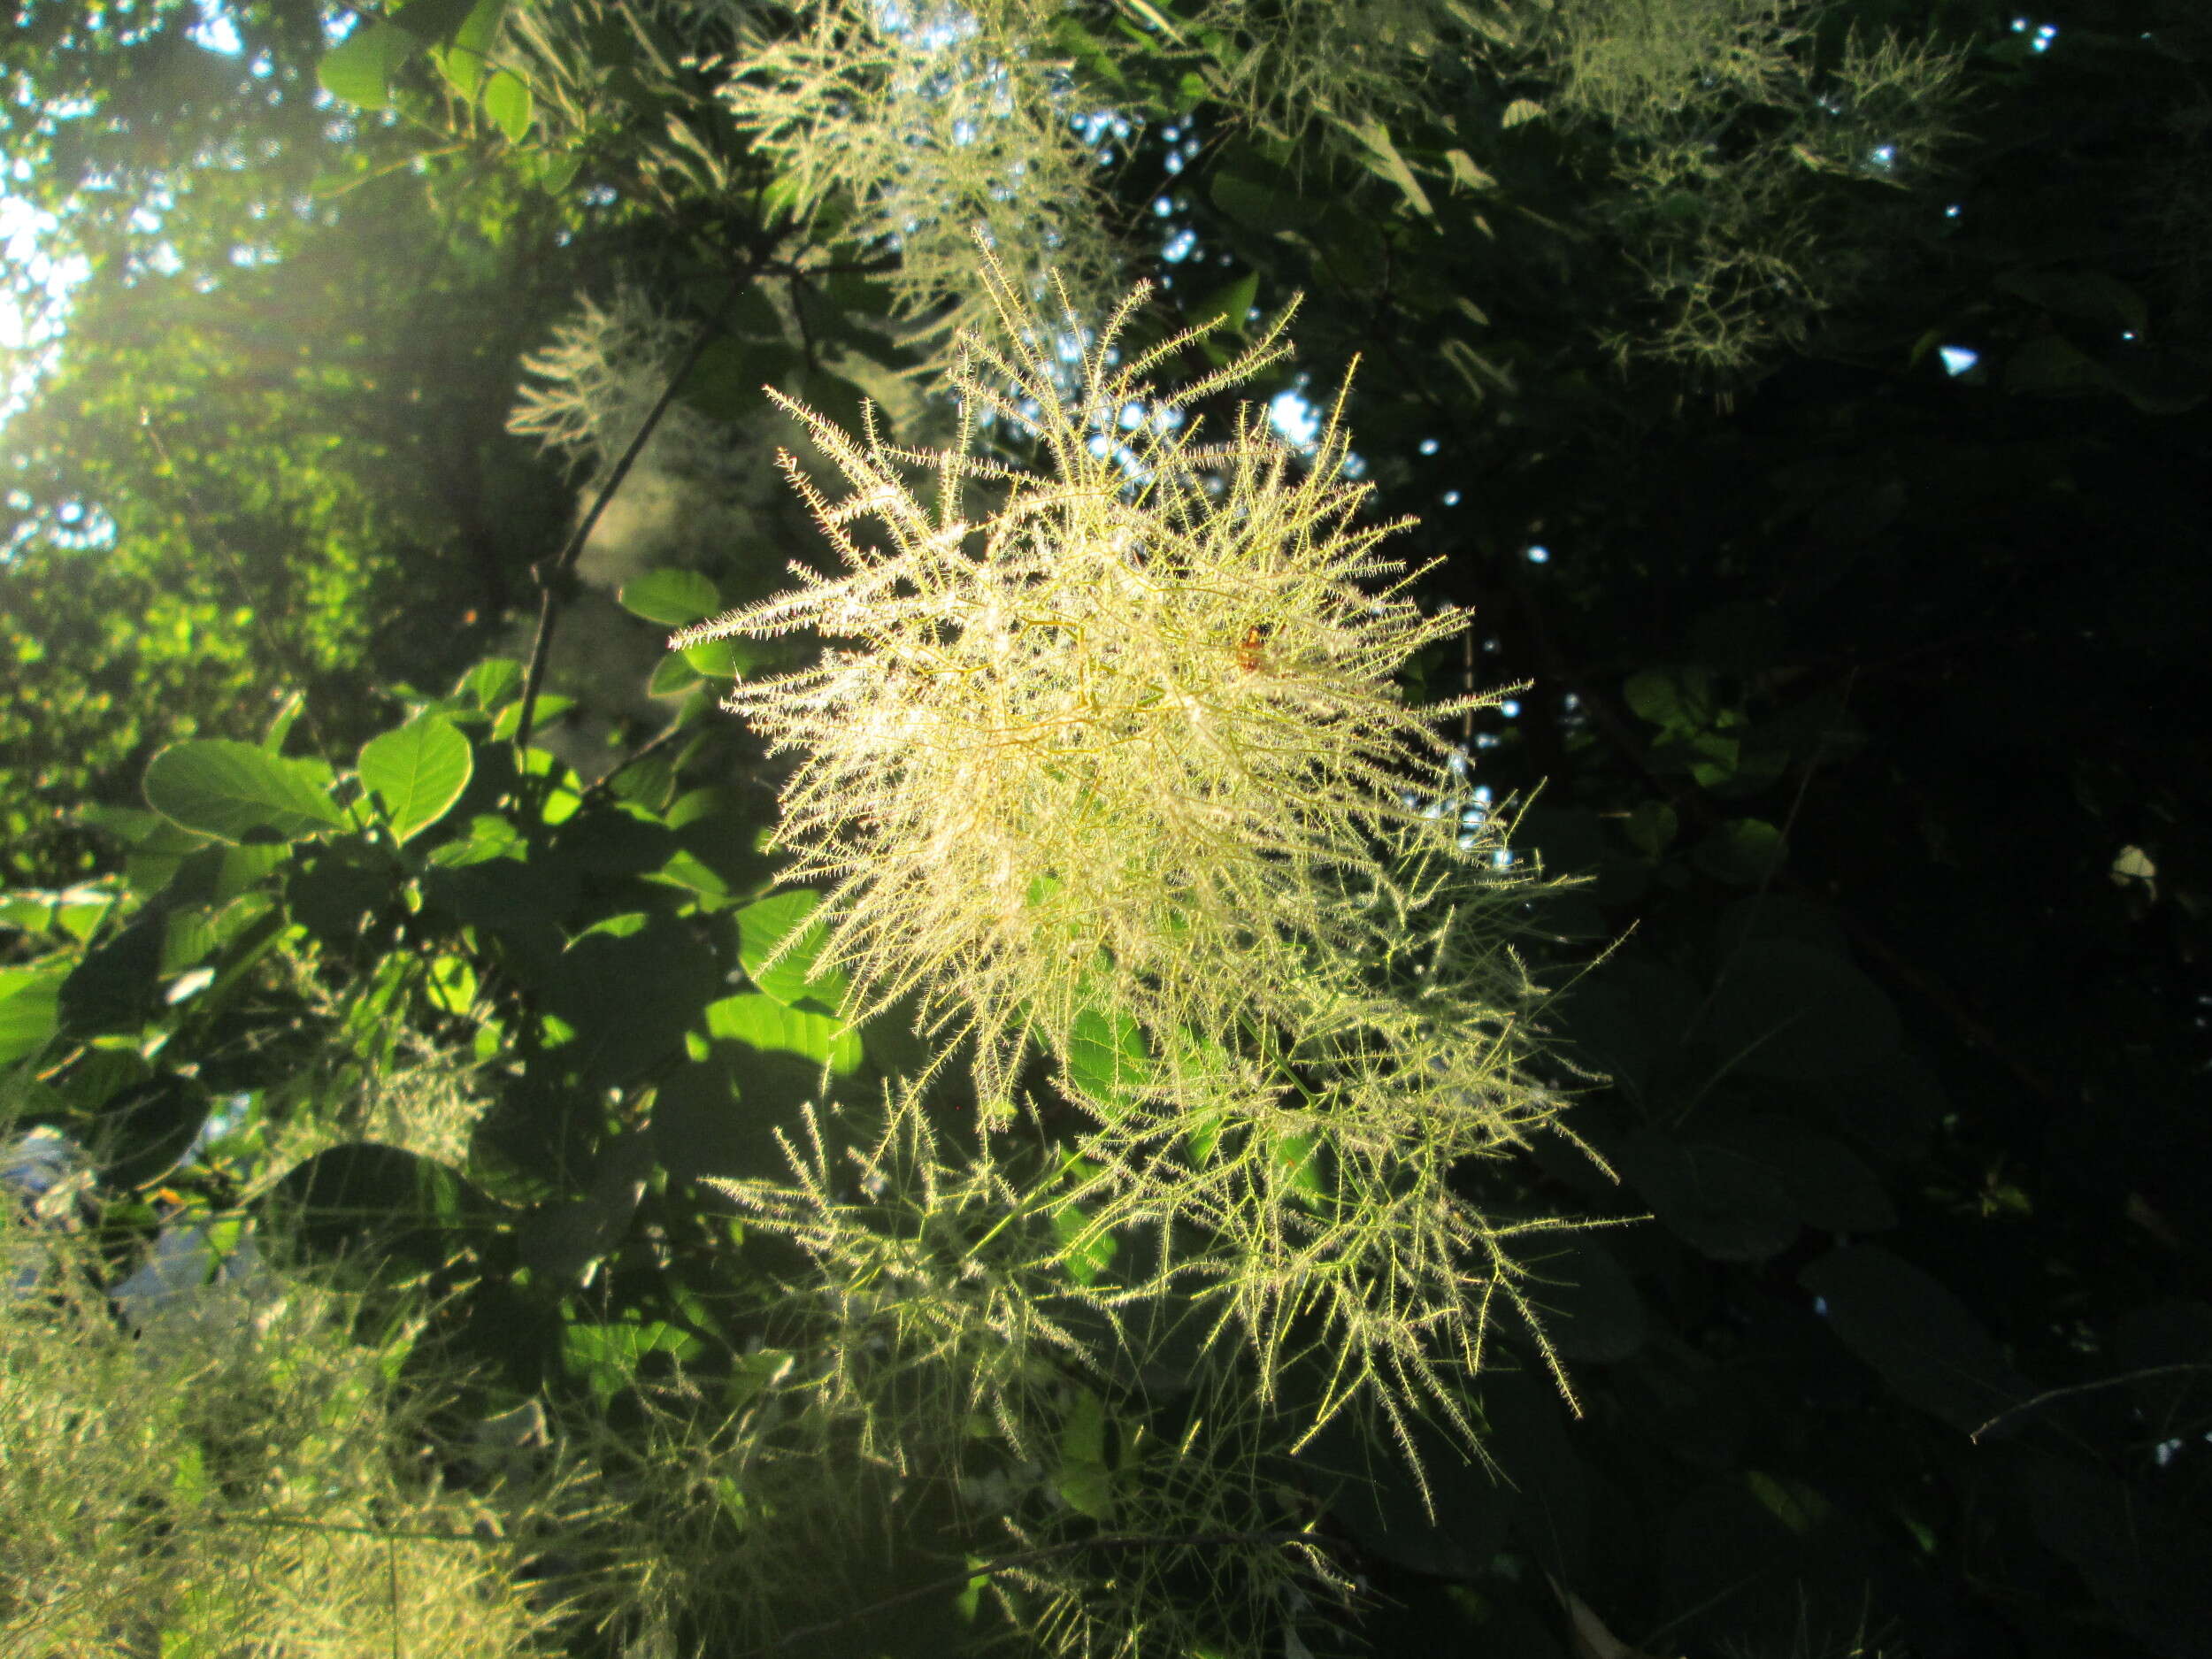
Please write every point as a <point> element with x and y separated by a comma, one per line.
<point>1829,1185</point>
<point>1587,1306</point>
<point>30,1008</point>
<point>2091,297</point>
<point>556,170</point>
<point>2051,365</point>
<point>1086,1253</point>
<point>2140,1551</point>
<point>463,62</point>
<point>435,22</point>
<point>1071,37</point>
<point>1106,1058</point>
<point>1652,827</point>
<point>1465,173</point>
<point>1928,1348</point>
<point>1385,162</point>
<point>726,381</point>
<point>703,1124</point>
<point>237,792</point>
<point>608,1356</point>
<point>359,69</point>
<point>721,659</point>
<point>1450,1523</point>
<point>1627,1018</point>
<point>1716,1199</point>
<point>630,992</point>
<point>1297,1159</point>
<point>1257,194</point>
<point>417,773</point>
<point>673,676</point>
<point>1787,1009</point>
<point>560,1240</point>
<point>146,1131</point>
<point>1229,304</point>
<point>1671,696</point>
<point>765,926</point>
<point>686,871</point>
<point>116,986</point>
<point>551,705</point>
<point>507,101</point>
<point>762,1022</point>
<point>831,396</point>
<point>494,682</point>
<point>1744,851</point>
<point>673,598</point>
<point>1083,1479</point>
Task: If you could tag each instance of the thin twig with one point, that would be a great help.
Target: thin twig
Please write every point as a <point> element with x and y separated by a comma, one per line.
<point>552,576</point>
<point>2086,1388</point>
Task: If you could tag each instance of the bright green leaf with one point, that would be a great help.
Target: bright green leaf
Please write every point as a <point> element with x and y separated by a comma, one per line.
<point>236,791</point>
<point>463,62</point>
<point>1229,304</point>
<point>1298,1164</point>
<point>1106,1059</point>
<point>556,170</point>
<point>673,598</point>
<point>608,1356</point>
<point>507,101</point>
<point>1085,1252</point>
<point>762,1022</point>
<point>359,69</point>
<point>30,1008</point>
<point>763,928</point>
<point>417,773</point>
<point>720,659</point>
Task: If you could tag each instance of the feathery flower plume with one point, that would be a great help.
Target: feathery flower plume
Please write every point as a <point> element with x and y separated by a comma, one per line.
<point>1117,749</point>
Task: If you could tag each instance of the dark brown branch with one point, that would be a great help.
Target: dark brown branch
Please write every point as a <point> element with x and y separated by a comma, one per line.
<point>553,576</point>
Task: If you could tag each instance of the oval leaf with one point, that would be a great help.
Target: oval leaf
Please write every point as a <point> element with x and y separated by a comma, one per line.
<point>763,928</point>
<point>417,773</point>
<point>671,597</point>
<point>1587,1305</point>
<point>762,1022</point>
<point>30,1009</point>
<point>359,69</point>
<point>507,101</point>
<point>1784,1008</point>
<point>1106,1058</point>
<point>463,61</point>
<point>1084,1477</point>
<point>1920,1337</point>
<point>1714,1198</point>
<point>236,792</point>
